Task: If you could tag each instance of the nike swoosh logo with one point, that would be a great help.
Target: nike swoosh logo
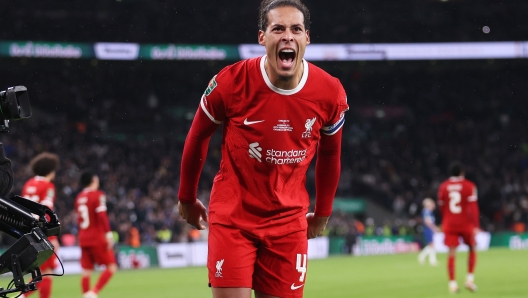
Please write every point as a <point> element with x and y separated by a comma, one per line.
<point>246,122</point>
<point>294,287</point>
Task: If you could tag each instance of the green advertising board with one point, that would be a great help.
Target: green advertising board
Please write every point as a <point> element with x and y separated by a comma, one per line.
<point>375,245</point>
<point>188,52</point>
<point>43,49</point>
<point>511,240</point>
<point>130,257</point>
<point>349,205</point>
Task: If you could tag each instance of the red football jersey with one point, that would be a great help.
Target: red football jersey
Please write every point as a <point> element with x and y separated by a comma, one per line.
<point>457,199</point>
<point>88,206</point>
<point>38,189</point>
<point>270,137</point>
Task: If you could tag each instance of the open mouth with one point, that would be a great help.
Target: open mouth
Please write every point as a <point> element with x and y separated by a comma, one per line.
<point>286,57</point>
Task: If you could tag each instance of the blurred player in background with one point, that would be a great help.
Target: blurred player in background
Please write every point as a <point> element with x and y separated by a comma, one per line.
<point>95,237</point>
<point>277,111</point>
<point>457,199</point>
<point>429,229</point>
<point>40,189</point>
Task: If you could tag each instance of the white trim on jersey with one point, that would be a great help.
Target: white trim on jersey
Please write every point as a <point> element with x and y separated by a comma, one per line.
<point>279,90</point>
<point>100,209</point>
<point>472,198</point>
<point>334,128</point>
<point>202,104</point>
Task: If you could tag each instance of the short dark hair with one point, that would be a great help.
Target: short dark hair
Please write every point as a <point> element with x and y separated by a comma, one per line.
<point>267,5</point>
<point>44,163</point>
<point>455,168</point>
<point>86,178</point>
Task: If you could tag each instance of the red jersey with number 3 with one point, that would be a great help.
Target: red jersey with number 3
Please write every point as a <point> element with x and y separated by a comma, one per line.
<point>457,199</point>
<point>270,137</point>
<point>40,190</point>
<point>88,205</point>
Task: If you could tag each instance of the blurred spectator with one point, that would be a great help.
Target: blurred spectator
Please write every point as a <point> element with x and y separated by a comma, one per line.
<point>133,238</point>
<point>164,235</point>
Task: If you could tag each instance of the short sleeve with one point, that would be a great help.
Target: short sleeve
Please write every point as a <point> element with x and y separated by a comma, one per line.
<point>337,116</point>
<point>212,102</point>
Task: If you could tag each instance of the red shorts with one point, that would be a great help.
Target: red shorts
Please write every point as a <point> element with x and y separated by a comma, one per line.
<point>100,254</point>
<point>52,262</point>
<point>452,238</point>
<point>273,264</point>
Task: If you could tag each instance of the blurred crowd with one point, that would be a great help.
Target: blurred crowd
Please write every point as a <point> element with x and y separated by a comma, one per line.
<point>402,130</point>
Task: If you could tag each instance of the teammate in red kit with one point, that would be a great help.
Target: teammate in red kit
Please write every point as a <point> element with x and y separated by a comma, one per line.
<point>95,237</point>
<point>40,189</point>
<point>278,111</point>
<point>457,198</point>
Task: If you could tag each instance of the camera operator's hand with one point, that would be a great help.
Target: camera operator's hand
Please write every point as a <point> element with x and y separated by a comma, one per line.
<point>6,173</point>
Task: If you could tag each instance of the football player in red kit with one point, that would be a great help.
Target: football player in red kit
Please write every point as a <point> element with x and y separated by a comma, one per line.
<point>95,237</point>
<point>457,198</point>
<point>41,189</point>
<point>278,111</point>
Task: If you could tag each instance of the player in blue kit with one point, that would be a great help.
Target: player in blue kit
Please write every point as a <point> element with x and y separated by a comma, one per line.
<point>429,229</point>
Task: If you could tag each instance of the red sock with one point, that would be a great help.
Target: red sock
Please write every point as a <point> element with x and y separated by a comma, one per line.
<point>44,287</point>
<point>451,267</point>
<point>472,261</point>
<point>103,279</point>
<point>85,284</point>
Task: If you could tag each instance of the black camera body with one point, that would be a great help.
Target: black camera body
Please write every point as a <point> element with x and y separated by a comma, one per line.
<point>14,105</point>
<point>31,224</point>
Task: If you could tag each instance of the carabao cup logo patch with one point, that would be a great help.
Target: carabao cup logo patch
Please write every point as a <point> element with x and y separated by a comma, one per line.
<point>211,86</point>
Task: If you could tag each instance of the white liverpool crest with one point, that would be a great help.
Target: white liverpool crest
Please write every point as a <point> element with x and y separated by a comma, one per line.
<point>309,123</point>
<point>219,268</point>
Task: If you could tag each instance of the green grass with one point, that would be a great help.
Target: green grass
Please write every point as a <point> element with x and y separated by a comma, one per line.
<point>500,273</point>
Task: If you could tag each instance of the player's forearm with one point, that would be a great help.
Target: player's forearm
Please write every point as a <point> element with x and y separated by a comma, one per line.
<point>327,171</point>
<point>194,155</point>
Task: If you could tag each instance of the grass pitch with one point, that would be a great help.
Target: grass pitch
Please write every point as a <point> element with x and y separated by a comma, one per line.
<point>500,273</point>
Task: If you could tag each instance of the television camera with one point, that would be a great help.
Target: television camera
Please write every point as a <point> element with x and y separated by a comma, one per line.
<point>14,105</point>
<point>31,224</point>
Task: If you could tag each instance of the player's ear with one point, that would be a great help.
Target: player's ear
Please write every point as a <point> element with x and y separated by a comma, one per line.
<point>261,38</point>
<point>307,37</point>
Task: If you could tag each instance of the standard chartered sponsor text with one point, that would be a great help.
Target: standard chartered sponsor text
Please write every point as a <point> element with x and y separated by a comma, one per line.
<point>280,157</point>
<point>44,50</point>
<point>187,53</point>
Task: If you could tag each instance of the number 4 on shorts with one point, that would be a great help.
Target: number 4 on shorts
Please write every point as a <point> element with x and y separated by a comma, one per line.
<point>301,265</point>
